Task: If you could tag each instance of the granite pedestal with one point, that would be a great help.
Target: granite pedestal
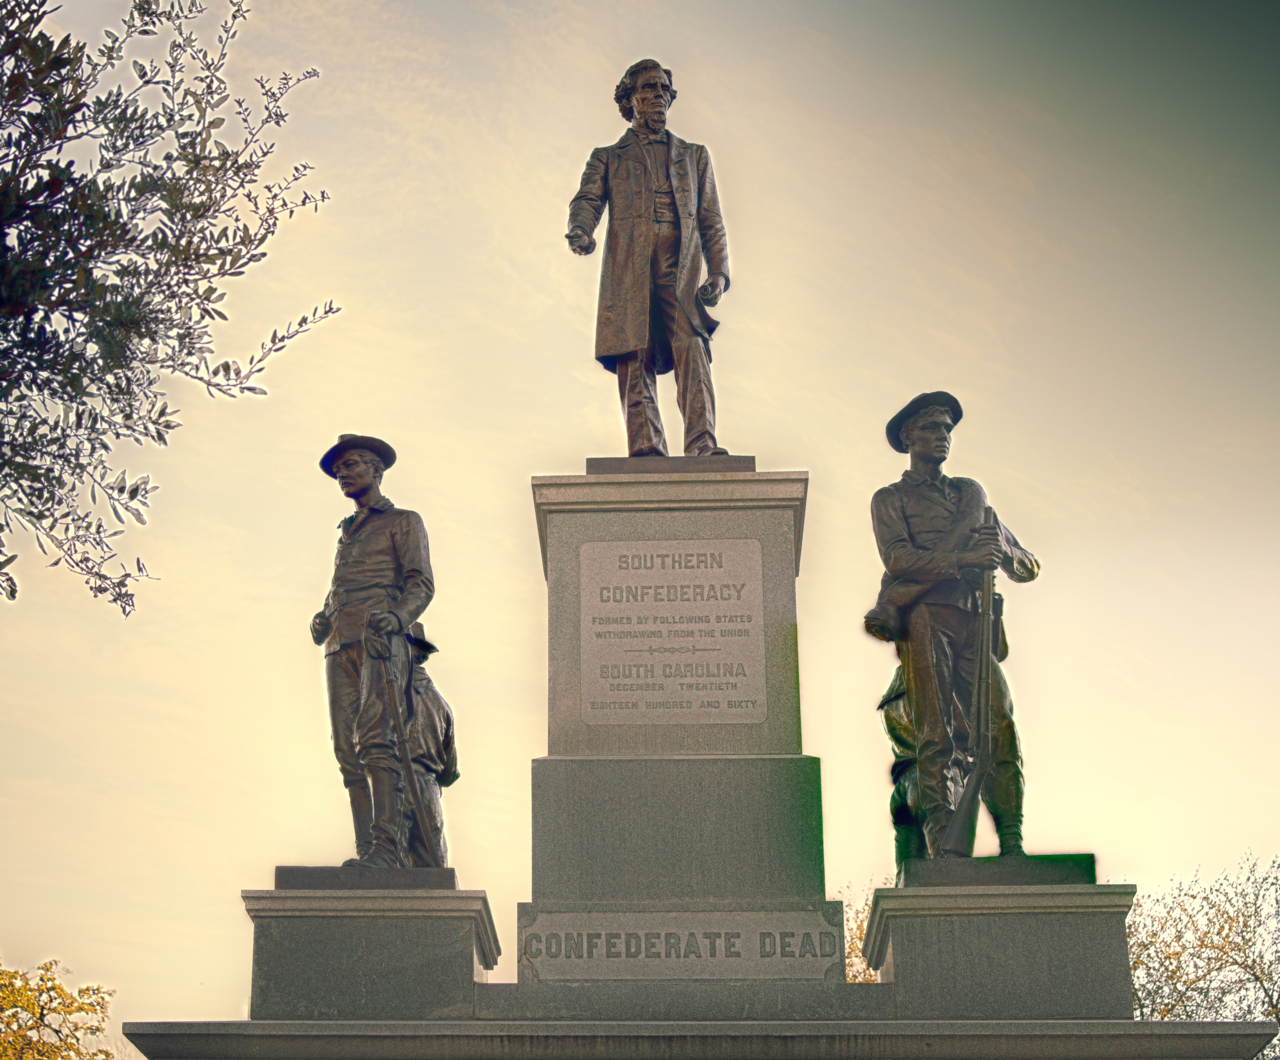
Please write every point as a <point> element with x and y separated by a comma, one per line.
<point>383,951</point>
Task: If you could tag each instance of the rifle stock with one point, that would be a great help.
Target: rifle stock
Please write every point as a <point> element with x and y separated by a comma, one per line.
<point>958,840</point>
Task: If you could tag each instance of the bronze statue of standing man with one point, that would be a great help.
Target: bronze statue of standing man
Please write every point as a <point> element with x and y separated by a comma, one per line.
<point>382,582</point>
<point>664,220</point>
<point>932,539</point>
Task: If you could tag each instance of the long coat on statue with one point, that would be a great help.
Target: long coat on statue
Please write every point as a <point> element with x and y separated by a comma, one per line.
<point>619,178</point>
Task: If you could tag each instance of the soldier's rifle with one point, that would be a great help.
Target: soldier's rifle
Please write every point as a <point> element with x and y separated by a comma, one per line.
<point>958,840</point>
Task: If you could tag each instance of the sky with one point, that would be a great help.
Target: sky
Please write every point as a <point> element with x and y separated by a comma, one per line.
<point>1063,213</point>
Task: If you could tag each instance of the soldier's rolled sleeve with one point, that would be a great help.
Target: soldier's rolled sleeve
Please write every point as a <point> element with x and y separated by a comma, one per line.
<point>413,554</point>
<point>901,558</point>
<point>1019,564</point>
<point>715,244</point>
<point>587,207</point>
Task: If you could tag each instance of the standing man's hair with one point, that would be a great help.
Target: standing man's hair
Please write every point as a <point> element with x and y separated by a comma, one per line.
<point>622,94</point>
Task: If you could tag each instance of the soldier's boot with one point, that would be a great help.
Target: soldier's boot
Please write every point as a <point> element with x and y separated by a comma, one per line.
<point>362,817</point>
<point>387,831</point>
<point>1009,829</point>
<point>908,835</point>
<point>908,842</point>
<point>1003,795</point>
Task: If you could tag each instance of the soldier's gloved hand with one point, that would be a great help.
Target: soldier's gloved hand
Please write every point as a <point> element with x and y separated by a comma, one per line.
<point>581,241</point>
<point>709,293</point>
<point>320,627</point>
<point>384,623</point>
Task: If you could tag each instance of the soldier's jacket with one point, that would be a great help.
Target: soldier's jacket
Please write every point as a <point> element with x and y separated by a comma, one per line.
<point>921,527</point>
<point>383,564</point>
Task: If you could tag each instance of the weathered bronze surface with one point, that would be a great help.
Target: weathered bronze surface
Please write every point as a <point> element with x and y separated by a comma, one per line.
<point>664,220</point>
<point>380,697</point>
<point>935,547</point>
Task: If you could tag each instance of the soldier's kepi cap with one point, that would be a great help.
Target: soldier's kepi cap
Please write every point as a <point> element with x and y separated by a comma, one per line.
<point>918,404</point>
<point>347,442</point>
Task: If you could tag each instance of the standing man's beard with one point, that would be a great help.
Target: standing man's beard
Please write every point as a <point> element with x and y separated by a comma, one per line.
<point>655,122</point>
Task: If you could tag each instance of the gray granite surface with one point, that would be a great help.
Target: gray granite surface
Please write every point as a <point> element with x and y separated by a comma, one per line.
<point>598,942</point>
<point>307,968</point>
<point>368,954</point>
<point>1036,870</point>
<point>335,878</point>
<point>1003,952</point>
<point>668,465</point>
<point>740,1039</point>
<point>580,518</point>
<point>677,828</point>
<point>683,1000</point>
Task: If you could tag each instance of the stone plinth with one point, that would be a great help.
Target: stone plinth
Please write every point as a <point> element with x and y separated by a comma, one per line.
<point>368,954</point>
<point>671,612</point>
<point>349,878</point>
<point>1037,870</point>
<point>1056,952</point>
<point>682,827</point>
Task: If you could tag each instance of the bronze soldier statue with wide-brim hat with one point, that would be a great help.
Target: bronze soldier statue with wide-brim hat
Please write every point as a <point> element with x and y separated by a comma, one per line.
<point>382,582</point>
<point>935,547</point>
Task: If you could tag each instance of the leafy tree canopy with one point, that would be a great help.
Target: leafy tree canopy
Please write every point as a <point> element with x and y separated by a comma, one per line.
<point>1210,949</point>
<point>123,208</point>
<point>40,1019</point>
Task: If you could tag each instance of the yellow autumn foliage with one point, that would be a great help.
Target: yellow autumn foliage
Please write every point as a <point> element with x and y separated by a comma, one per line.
<point>40,1019</point>
<point>1210,949</point>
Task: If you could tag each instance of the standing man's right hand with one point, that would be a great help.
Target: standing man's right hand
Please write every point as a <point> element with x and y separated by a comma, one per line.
<point>320,627</point>
<point>989,553</point>
<point>580,241</point>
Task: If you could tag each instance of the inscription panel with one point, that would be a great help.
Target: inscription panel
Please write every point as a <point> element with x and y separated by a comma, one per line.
<point>681,945</point>
<point>672,632</point>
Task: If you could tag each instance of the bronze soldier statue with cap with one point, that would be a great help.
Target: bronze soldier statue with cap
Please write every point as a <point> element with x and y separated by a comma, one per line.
<point>664,221</point>
<point>382,712</point>
<point>937,537</point>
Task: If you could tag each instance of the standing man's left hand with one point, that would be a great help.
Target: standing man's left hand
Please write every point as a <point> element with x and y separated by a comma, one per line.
<point>709,293</point>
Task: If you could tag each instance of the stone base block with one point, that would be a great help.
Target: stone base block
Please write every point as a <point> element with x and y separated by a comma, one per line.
<point>701,1040</point>
<point>669,465</point>
<point>368,954</point>
<point>1038,870</point>
<point>677,828</point>
<point>1003,952</point>
<point>675,999</point>
<point>600,942</point>
<point>343,878</point>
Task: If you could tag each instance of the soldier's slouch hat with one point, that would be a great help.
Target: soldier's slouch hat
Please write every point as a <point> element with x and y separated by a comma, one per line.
<point>940,398</point>
<point>422,647</point>
<point>347,442</point>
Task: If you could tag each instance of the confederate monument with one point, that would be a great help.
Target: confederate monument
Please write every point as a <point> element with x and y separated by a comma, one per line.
<point>936,540</point>
<point>664,218</point>
<point>678,893</point>
<point>380,697</point>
